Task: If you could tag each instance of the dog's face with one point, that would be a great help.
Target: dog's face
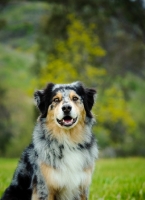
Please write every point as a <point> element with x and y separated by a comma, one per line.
<point>67,108</point>
<point>65,104</point>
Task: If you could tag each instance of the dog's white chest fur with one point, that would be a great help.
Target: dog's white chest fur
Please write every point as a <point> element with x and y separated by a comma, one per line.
<point>71,174</point>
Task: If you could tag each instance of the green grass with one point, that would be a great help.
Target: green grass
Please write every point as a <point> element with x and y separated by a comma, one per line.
<point>120,179</point>
<point>7,167</point>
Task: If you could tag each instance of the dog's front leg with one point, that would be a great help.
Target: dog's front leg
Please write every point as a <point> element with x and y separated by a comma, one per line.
<point>35,195</point>
<point>39,188</point>
<point>51,195</point>
<point>84,193</point>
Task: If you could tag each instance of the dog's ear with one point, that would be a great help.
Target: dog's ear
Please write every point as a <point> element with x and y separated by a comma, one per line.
<point>90,95</point>
<point>43,98</point>
<point>39,99</point>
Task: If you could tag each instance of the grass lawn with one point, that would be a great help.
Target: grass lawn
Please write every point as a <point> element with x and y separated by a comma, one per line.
<point>121,179</point>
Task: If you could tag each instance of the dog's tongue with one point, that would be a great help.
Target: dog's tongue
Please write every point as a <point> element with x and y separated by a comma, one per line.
<point>67,121</point>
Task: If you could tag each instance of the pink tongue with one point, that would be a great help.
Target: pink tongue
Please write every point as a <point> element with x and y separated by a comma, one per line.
<point>69,121</point>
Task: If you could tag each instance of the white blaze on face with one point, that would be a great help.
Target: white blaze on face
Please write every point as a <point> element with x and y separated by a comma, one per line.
<point>67,99</point>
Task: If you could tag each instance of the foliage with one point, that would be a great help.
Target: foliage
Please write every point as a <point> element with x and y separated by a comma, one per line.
<point>115,120</point>
<point>133,88</point>
<point>3,3</point>
<point>16,118</point>
<point>121,33</point>
<point>74,57</point>
<point>103,9</point>
<point>112,179</point>
<point>78,57</point>
<point>19,24</point>
<point>97,42</point>
<point>5,123</point>
<point>113,112</point>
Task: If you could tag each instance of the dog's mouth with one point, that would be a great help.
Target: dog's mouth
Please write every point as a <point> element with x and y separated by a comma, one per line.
<point>67,121</point>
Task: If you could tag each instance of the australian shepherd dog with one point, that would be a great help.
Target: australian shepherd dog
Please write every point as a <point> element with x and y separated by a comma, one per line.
<point>59,162</point>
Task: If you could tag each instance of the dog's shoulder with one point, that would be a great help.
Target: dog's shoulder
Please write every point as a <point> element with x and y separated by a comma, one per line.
<point>26,162</point>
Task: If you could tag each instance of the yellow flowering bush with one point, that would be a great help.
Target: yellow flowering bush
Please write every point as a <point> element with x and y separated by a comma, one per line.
<point>114,118</point>
<point>72,58</point>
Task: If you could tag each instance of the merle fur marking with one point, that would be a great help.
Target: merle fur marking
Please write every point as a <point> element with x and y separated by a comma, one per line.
<point>68,163</point>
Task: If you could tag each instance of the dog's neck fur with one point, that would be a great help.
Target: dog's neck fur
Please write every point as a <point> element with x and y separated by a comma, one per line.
<point>50,144</point>
<point>75,135</point>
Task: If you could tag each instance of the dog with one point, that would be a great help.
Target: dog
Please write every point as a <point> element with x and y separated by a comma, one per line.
<point>59,162</point>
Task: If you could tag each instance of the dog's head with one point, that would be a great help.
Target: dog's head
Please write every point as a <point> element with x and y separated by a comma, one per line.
<point>65,104</point>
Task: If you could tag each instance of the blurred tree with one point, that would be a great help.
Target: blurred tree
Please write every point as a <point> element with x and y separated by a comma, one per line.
<point>114,115</point>
<point>5,123</point>
<point>133,88</point>
<point>75,56</point>
<point>119,25</point>
<point>130,11</point>
<point>70,35</point>
<point>3,3</point>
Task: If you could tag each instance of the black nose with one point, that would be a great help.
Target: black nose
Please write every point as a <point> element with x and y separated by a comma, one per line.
<point>66,108</point>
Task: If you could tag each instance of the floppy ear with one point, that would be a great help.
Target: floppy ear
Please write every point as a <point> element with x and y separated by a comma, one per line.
<point>89,101</point>
<point>43,99</point>
<point>90,96</point>
<point>39,99</point>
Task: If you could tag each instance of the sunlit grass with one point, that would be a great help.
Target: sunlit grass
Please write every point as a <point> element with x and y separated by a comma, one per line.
<point>7,167</point>
<point>120,179</point>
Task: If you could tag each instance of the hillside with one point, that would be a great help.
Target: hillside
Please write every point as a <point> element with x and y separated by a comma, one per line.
<point>85,42</point>
<point>19,24</point>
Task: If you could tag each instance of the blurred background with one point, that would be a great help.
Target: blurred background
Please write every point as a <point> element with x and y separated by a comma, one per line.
<point>99,42</point>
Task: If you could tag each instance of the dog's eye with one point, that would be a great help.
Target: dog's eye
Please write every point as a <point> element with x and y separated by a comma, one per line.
<point>56,100</point>
<point>75,98</point>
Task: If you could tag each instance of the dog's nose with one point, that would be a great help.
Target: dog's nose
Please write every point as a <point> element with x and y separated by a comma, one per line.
<point>66,108</point>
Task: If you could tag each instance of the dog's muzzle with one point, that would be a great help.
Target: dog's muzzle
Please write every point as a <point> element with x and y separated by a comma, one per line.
<point>67,120</point>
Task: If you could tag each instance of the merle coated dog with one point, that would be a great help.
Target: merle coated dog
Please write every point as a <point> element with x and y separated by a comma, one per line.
<point>59,162</point>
